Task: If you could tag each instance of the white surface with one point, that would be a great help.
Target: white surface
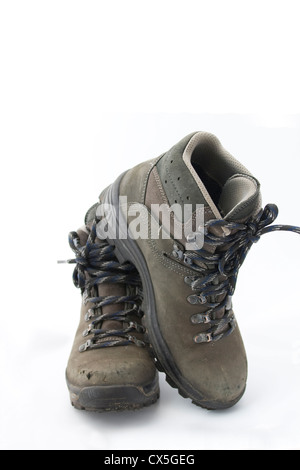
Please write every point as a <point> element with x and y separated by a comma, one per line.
<point>63,67</point>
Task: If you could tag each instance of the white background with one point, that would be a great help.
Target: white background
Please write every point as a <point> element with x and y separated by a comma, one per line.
<point>87,90</point>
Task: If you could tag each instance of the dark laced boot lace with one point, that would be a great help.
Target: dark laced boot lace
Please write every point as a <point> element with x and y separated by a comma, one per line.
<point>97,264</point>
<point>217,273</point>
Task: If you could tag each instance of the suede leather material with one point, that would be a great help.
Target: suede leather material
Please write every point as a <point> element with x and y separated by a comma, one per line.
<point>176,179</point>
<point>155,198</point>
<point>121,365</point>
<point>218,369</point>
<point>130,365</point>
<point>140,175</point>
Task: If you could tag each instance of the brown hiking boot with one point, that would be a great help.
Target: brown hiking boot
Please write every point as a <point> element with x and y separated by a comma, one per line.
<point>199,212</point>
<point>109,368</point>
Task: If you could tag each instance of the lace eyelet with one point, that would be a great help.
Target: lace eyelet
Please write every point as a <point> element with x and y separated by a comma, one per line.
<point>203,338</point>
<point>85,346</point>
<point>87,331</point>
<point>90,313</point>
<point>196,299</point>
<point>199,318</point>
<point>136,341</point>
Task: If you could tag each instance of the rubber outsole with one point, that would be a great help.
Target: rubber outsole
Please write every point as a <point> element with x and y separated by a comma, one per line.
<point>113,397</point>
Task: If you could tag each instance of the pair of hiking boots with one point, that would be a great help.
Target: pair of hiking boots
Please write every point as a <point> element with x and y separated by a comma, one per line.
<point>157,262</point>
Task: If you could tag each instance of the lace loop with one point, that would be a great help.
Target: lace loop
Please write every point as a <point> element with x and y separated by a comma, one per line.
<point>217,273</point>
<point>97,264</point>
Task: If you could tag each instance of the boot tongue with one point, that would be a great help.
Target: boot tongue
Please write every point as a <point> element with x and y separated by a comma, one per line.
<point>240,198</point>
<point>106,289</point>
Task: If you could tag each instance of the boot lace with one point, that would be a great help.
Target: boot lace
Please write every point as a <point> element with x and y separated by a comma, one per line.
<point>217,273</point>
<point>97,264</point>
